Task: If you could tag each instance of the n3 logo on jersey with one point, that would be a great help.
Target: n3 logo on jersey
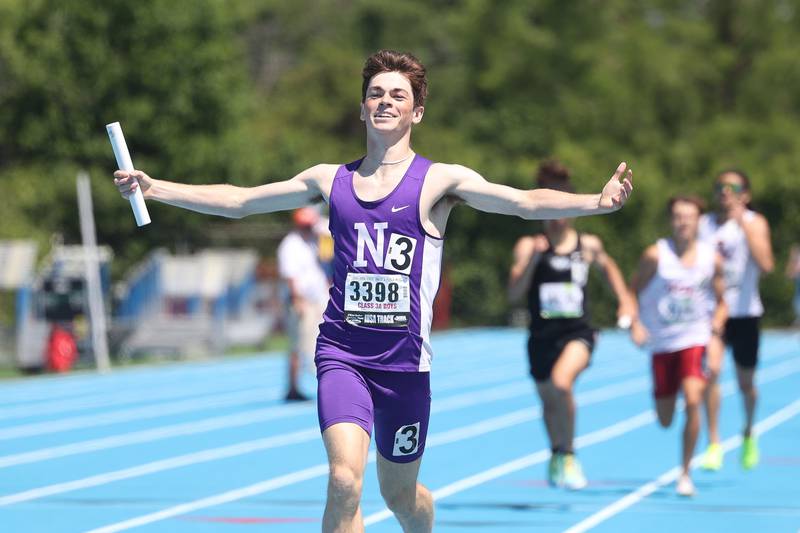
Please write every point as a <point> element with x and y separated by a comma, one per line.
<point>399,254</point>
<point>406,440</point>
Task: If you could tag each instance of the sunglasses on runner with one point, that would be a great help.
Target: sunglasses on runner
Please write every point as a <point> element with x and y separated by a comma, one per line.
<point>735,188</point>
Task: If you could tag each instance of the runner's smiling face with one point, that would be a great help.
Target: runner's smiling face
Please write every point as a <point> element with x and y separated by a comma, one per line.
<point>389,103</point>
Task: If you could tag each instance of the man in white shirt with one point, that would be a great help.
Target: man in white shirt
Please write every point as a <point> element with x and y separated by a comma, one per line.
<point>679,290</point>
<point>307,284</point>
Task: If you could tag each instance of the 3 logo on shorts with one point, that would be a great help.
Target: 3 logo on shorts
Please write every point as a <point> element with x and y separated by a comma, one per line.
<point>406,440</point>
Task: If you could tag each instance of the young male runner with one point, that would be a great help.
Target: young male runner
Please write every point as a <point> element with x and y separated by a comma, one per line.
<point>742,237</point>
<point>388,212</point>
<point>552,271</point>
<point>680,297</point>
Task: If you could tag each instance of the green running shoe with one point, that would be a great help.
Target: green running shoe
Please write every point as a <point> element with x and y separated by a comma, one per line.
<point>713,457</point>
<point>749,452</point>
<point>555,470</point>
<point>573,473</point>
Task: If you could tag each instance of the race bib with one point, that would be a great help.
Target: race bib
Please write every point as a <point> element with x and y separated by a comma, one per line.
<point>377,300</point>
<point>678,308</point>
<point>560,300</point>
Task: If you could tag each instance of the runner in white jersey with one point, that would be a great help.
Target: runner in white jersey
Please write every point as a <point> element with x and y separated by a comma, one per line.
<point>742,238</point>
<point>680,298</point>
<point>373,352</point>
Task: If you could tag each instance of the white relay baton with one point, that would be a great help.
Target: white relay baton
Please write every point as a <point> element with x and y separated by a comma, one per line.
<point>124,163</point>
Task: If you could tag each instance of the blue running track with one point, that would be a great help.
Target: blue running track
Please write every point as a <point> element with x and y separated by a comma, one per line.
<point>211,447</point>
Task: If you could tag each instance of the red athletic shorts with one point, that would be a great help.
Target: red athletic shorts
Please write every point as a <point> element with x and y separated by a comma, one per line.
<point>670,368</point>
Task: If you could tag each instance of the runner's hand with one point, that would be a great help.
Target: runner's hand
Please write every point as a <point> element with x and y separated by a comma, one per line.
<point>639,334</point>
<point>618,189</point>
<point>128,182</point>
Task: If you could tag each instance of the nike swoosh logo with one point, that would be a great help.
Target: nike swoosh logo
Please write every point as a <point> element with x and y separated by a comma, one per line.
<point>396,209</point>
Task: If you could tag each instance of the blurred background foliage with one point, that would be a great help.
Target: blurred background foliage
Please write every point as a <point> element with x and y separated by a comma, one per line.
<point>248,92</point>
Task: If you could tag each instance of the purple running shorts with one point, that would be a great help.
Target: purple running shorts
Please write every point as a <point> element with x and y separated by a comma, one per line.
<point>398,403</point>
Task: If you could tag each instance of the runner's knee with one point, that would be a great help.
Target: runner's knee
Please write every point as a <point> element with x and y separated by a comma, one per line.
<point>692,406</point>
<point>665,412</point>
<point>400,499</point>
<point>748,388</point>
<point>561,385</point>
<point>345,484</point>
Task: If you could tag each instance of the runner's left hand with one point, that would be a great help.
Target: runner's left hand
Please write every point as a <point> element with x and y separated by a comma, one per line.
<point>618,189</point>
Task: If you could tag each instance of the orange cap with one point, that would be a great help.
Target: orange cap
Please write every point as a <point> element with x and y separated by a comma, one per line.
<point>305,217</point>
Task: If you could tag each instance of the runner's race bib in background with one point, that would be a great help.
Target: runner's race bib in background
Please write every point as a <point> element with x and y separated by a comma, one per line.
<point>560,300</point>
<point>679,308</point>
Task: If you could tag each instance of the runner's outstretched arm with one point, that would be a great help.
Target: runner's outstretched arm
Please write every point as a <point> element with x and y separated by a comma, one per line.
<point>538,204</point>
<point>229,200</point>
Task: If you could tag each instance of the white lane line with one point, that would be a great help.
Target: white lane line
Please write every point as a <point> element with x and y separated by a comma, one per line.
<point>150,435</point>
<point>462,433</point>
<point>158,410</point>
<point>466,432</point>
<point>472,430</point>
<point>774,420</point>
<point>239,419</point>
<point>213,454</point>
<point>538,457</point>
<point>478,428</point>
<point>124,383</point>
<point>151,396</point>
<point>504,391</point>
<point>234,379</point>
<point>51,387</point>
<point>138,413</point>
<point>773,373</point>
<point>617,429</point>
<point>218,499</point>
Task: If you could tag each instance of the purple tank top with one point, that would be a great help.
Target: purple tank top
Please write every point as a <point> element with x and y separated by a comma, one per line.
<point>386,274</point>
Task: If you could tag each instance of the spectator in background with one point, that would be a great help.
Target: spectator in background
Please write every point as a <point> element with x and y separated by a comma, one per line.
<point>307,286</point>
<point>793,273</point>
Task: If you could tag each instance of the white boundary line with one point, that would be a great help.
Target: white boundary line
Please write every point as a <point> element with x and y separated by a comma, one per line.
<point>466,432</point>
<point>771,422</point>
<point>145,412</point>
<point>110,399</point>
<point>775,372</point>
<point>187,388</point>
<point>538,457</point>
<point>294,477</point>
<point>511,389</point>
<point>208,401</point>
<point>57,387</point>
<point>477,428</point>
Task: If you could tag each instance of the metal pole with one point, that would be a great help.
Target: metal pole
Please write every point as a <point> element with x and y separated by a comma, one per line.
<point>97,316</point>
